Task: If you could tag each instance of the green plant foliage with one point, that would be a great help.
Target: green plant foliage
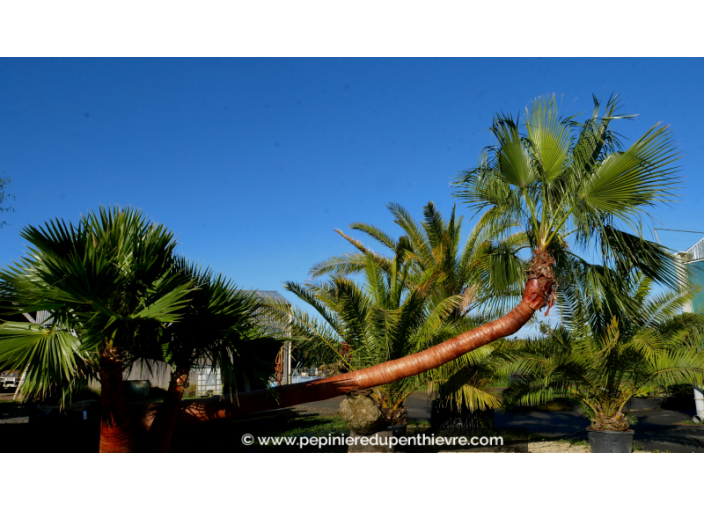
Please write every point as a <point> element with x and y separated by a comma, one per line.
<point>113,282</point>
<point>377,320</point>
<point>572,187</point>
<point>486,273</point>
<point>106,283</point>
<point>220,327</point>
<point>607,353</point>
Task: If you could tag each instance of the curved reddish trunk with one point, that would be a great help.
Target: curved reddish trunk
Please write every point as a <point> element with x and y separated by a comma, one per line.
<point>534,298</point>
<point>162,429</point>
<point>116,435</point>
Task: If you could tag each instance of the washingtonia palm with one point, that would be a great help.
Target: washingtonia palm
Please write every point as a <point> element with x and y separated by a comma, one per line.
<point>116,294</point>
<point>219,327</point>
<point>573,186</point>
<point>564,185</point>
<point>109,289</point>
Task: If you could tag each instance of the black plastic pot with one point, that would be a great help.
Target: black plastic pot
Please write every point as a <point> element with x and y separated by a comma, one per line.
<point>606,441</point>
<point>451,421</point>
<point>398,430</point>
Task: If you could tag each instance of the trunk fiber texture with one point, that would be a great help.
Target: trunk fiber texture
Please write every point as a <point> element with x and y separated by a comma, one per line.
<point>116,434</point>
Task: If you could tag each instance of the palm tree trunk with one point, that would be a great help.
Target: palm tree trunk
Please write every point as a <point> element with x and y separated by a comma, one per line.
<point>116,435</point>
<point>162,429</point>
<point>535,297</point>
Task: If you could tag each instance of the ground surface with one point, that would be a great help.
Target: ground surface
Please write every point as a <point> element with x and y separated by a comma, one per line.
<point>655,430</point>
<point>26,428</point>
<point>557,447</point>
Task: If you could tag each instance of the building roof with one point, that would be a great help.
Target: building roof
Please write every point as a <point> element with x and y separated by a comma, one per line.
<point>42,317</point>
<point>696,252</point>
<point>272,294</point>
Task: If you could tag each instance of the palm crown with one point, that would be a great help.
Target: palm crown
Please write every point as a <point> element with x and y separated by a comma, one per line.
<point>571,185</point>
<point>108,287</point>
<point>487,273</point>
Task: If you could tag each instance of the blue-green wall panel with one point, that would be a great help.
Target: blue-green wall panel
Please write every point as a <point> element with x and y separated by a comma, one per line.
<point>696,279</point>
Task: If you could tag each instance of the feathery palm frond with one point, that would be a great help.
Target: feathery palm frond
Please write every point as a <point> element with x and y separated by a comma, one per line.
<point>479,281</point>
<point>607,353</point>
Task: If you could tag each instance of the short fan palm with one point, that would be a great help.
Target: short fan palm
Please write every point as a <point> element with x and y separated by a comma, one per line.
<point>116,293</point>
<point>109,289</point>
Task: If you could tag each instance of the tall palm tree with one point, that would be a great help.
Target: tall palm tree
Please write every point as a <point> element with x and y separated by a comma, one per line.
<point>573,186</point>
<point>108,286</point>
<point>605,354</point>
<point>567,185</point>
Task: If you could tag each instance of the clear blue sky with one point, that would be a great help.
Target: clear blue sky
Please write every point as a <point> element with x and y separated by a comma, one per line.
<point>254,162</point>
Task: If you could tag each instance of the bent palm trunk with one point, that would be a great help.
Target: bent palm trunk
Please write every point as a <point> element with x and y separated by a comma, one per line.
<point>164,423</point>
<point>116,434</point>
<point>535,297</point>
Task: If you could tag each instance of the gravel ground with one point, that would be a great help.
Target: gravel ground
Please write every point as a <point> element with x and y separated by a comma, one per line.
<point>562,447</point>
<point>556,447</point>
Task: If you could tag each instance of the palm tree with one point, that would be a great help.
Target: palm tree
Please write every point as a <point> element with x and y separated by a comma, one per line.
<point>219,327</point>
<point>376,322</point>
<point>116,295</point>
<point>604,354</point>
<point>486,272</point>
<point>554,181</point>
<point>109,288</point>
<point>560,181</point>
